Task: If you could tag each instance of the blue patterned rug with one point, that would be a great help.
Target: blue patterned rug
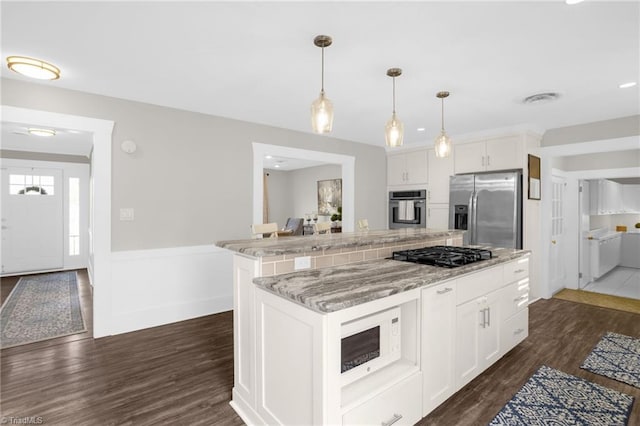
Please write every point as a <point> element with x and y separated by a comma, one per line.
<point>41,307</point>
<point>616,356</point>
<point>551,397</point>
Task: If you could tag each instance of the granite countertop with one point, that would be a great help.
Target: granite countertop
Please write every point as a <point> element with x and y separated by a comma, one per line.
<point>332,289</point>
<point>309,243</point>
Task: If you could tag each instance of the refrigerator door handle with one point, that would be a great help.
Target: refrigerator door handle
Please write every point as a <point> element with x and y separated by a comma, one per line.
<point>474,218</point>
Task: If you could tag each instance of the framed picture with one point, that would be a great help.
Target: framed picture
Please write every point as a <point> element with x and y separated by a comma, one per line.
<point>534,177</point>
<point>329,196</point>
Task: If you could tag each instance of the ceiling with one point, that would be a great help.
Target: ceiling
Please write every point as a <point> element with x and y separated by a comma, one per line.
<point>256,61</point>
<point>286,164</point>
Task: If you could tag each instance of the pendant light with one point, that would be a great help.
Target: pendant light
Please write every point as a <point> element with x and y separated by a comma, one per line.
<point>394,130</point>
<point>322,108</point>
<point>442,143</point>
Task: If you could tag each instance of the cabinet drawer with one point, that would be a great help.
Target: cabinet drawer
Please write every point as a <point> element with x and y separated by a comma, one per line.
<point>517,270</point>
<point>479,283</point>
<point>514,330</point>
<point>398,405</point>
<point>514,298</point>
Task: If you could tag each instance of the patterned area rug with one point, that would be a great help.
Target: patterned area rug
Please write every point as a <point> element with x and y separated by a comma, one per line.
<point>616,356</point>
<point>41,307</point>
<point>551,397</point>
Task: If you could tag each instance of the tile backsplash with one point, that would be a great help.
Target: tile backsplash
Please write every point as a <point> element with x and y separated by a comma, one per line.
<point>275,265</point>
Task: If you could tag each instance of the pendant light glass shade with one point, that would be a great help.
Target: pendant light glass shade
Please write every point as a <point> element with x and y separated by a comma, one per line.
<point>322,108</point>
<point>394,130</point>
<point>322,114</point>
<point>442,144</point>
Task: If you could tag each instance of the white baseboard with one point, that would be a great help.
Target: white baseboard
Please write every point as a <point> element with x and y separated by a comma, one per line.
<point>162,286</point>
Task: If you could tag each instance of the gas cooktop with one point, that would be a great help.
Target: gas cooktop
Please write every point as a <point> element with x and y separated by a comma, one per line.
<point>445,256</point>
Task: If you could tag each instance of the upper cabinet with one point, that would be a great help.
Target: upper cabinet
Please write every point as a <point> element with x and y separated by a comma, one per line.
<point>407,168</point>
<point>609,197</point>
<point>501,153</point>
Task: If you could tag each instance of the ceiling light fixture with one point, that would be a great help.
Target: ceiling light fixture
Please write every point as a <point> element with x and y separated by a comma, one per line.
<point>41,132</point>
<point>442,143</point>
<point>322,108</point>
<point>421,129</point>
<point>627,85</point>
<point>572,2</point>
<point>394,130</point>
<point>34,68</point>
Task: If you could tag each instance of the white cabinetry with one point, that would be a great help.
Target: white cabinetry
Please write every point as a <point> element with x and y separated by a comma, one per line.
<point>501,153</point>
<point>439,171</point>
<point>438,216</point>
<point>607,197</point>
<point>438,344</point>
<point>631,198</point>
<point>407,168</point>
<point>515,302</point>
<point>605,254</point>
<point>630,253</point>
<point>477,336</point>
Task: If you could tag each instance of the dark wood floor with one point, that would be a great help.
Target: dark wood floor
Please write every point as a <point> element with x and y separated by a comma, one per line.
<point>182,373</point>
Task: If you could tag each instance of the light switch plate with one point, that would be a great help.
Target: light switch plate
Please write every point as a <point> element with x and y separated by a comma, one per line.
<point>449,241</point>
<point>302,262</point>
<point>126,214</point>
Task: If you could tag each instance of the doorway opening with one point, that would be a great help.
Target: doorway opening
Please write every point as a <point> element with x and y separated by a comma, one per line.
<point>99,237</point>
<point>346,163</point>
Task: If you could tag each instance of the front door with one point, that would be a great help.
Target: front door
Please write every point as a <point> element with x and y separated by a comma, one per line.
<point>557,269</point>
<point>32,220</point>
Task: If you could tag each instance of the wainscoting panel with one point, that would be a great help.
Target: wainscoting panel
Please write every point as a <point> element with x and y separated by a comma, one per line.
<point>162,286</point>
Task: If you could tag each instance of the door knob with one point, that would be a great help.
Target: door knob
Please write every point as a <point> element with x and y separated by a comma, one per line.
<point>553,241</point>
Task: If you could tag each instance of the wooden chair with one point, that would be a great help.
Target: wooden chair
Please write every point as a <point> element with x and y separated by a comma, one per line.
<point>363,225</point>
<point>322,228</point>
<point>261,230</point>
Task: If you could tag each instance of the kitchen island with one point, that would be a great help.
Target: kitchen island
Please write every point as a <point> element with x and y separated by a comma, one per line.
<point>288,326</point>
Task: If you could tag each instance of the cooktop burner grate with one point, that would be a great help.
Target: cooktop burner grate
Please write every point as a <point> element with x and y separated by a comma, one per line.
<point>446,256</point>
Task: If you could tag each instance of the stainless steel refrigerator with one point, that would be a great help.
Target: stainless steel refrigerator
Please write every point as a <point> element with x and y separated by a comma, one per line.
<point>489,207</point>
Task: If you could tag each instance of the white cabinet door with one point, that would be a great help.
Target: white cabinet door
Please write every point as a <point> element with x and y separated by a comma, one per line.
<point>396,170</point>
<point>503,153</point>
<point>439,171</point>
<point>416,166</point>
<point>469,157</point>
<point>438,216</point>
<point>477,336</point>
<point>438,344</point>
<point>469,316</point>
<point>631,198</point>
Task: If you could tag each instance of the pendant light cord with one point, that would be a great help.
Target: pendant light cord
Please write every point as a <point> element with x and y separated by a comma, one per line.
<point>394,95</point>
<point>322,74</point>
<point>442,116</point>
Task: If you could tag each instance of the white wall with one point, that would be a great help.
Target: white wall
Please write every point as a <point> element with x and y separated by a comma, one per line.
<point>304,186</point>
<point>294,193</point>
<point>612,220</point>
<point>279,196</point>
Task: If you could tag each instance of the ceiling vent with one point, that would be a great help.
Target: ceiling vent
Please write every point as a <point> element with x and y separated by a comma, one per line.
<point>541,98</point>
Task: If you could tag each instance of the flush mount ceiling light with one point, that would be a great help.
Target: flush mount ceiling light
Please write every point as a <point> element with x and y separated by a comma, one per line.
<point>34,68</point>
<point>322,108</point>
<point>571,2</point>
<point>394,130</point>
<point>442,143</point>
<point>627,85</point>
<point>41,132</point>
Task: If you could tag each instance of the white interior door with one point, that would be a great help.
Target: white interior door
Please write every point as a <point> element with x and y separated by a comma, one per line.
<point>583,232</point>
<point>557,268</point>
<point>32,219</point>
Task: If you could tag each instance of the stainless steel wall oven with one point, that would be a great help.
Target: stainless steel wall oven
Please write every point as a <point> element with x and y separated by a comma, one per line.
<point>408,209</point>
